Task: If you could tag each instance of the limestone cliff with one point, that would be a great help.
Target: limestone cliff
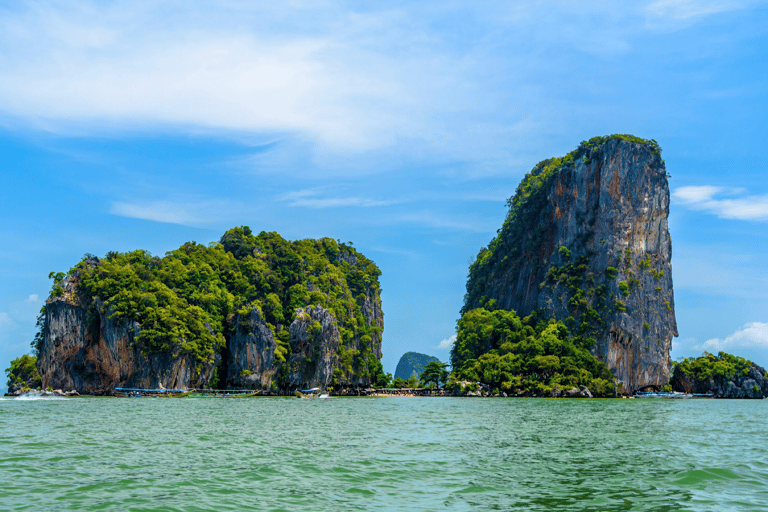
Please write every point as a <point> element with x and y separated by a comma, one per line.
<point>411,364</point>
<point>86,350</point>
<point>586,241</point>
<point>255,312</point>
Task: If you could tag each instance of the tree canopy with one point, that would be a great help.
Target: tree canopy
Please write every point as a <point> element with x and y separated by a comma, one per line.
<point>524,356</point>
<point>23,373</point>
<point>710,366</point>
<point>434,372</point>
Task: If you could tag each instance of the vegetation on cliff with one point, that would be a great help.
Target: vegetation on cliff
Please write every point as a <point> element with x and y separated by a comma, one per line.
<point>722,375</point>
<point>186,302</point>
<point>528,356</point>
<point>22,374</point>
<point>710,366</point>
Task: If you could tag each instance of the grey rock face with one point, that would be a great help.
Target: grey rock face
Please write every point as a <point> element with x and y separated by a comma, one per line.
<point>314,346</point>
<point>86,351</point>
<point>252,353</point>
<point>609,210</point>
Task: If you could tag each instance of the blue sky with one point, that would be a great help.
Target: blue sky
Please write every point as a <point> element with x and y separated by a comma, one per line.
<point>402,127</point>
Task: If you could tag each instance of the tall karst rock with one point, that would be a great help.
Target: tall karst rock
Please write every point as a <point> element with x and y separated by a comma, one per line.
<point>586,241</point>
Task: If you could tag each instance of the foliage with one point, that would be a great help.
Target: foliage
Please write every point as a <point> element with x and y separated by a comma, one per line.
<point>186,301</point>
<point>710,366</point>
<point>23,372</point>
<point>434,372</point>
<point>399,383</point>
<point>524,356</point>
<point>383,380</point>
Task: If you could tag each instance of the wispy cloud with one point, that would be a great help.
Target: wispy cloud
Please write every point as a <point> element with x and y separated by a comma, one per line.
<point>354,81</point>
<point>447,343</point>
<point>395,251</point>
<point>157,211</point>
<point>309,199</point>
<point>752,335</point>
<point>709,199</point>
<point>5,320</point>
<point>187,212</point>
<point>437,220</point>
<point>682,13</point>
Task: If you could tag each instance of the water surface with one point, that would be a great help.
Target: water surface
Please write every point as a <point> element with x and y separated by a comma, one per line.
<point>382,454</point>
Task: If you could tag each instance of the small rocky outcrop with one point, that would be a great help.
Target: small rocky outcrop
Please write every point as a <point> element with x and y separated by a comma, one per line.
<point>586,241</point>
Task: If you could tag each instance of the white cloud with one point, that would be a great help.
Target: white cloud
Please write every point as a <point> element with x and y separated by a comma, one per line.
<point>5,321</point>
<point>447,343</point>
<point>674,14</point>
<point>186,212</point>
<point>752,335</point>
<point>33,298</point>
<point>335,78</point>
<point>440,221</point>
<point>308,199</point>
<point>157,211</point>
<point>703,198</point>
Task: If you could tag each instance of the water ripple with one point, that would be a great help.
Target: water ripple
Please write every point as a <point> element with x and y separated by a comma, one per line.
<point>382,454</point>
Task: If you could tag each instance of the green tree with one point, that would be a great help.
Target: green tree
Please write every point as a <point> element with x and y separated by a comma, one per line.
<point>527,356</point>
<point>383,380</point>
<point>23,373</point>
<point>434,372</point>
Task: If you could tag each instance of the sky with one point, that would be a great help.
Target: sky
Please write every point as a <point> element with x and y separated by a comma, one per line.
<point>400,126</point>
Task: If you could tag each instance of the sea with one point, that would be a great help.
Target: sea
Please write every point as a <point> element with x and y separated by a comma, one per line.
<point>414,454</point>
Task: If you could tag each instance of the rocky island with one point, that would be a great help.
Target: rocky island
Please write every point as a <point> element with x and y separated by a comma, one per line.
<point>720,376</point>
<point>586,247</point>
<point>411,364</point>
<point>248,312</point>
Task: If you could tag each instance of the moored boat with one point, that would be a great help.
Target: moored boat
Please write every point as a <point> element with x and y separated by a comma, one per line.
<point>662,394</point>
<point>143,393</point>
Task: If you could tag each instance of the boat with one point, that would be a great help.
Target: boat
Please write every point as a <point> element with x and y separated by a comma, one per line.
<point>309,393</point>
<point>181,393</point>
<point>143,393</point>
<point>662,394</point>
<point>211,393</point>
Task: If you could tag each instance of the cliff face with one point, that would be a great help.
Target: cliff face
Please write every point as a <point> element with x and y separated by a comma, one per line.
<point>87,351</point>
<point>586,241</point>
<point>254,312</point>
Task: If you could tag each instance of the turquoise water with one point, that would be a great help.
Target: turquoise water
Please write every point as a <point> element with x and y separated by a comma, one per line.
<point>382,454</point>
